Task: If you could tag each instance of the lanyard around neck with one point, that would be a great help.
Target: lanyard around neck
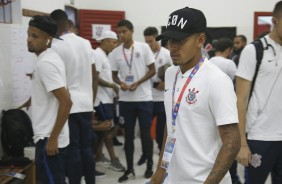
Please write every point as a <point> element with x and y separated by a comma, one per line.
<point>176,107</point>
<point>129,63</point>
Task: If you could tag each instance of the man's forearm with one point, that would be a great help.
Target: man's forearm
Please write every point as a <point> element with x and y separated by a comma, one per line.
<point>226,155</point>
<point>241,105</point>
<point>147,76</point>
<point>94,82</point>
<point>104,83</point>
<point>65,105</point>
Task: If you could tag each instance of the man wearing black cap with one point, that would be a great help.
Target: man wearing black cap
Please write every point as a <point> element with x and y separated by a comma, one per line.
<point>51,103</point>
<point>77,54</point>
<point>202,137</point>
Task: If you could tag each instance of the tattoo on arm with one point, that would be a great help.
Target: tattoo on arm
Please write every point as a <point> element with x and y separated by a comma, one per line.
<point>230,137</point>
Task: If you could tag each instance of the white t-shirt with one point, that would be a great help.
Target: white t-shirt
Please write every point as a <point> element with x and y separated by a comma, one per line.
<point>104,94</point>
<point>266,95</point>
<point>49,75</point>
<point>142,57</point>
<point>77,54</point>
<point>162,57</point>
<point>226,65</point>
<point>208,102</point>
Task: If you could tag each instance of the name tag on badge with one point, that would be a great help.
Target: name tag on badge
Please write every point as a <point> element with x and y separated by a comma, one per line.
<point>168,151</point>
<point>129,78</point>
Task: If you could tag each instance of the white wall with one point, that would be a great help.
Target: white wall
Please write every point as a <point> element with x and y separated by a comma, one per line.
<point>143,13</point>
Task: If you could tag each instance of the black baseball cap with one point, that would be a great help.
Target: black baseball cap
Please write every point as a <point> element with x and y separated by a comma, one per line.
<point>44,23</point>
<point>183,23</point>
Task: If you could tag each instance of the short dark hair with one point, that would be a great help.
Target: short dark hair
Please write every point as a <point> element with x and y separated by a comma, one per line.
<point>223,43</point>
<point>243,37</point>
<point>59,16</point>
<point>151,31</point>
<point>277,9</point>
<point>125,23</point>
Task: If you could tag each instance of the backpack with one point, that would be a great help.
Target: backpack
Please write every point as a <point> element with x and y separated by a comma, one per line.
<point>259,55</point>
<point>16,132</point>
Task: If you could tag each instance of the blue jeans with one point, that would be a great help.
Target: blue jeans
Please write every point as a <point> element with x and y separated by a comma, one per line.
<point>271,162</point>
<point>49,169</point>
<point>129,111</point>
<point>80,157</point>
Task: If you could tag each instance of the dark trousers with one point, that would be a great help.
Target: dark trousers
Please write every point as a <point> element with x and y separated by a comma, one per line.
<point>159,112</point>
<point>233,172</point>
<point>80,157</point>
<point>143,111</point>
<point>271,162</point>
<point>49,169</point>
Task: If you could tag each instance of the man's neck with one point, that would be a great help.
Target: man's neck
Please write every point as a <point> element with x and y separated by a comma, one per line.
<point>190,64</point>
<point>221,54</point>
<point>157,48</point>
<point>128,44</point>
<point>273,35</point>
<point>104,49</point>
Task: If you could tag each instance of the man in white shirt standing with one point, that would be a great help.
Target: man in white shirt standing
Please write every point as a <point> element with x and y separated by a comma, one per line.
<point>77,54</point>
<point>202,137</point>
<point>260,112</point>
<point>223,51</point>
<point>134,62</point>
<point>163,59</point>
<point>106,92</point>
<point>51,103</point>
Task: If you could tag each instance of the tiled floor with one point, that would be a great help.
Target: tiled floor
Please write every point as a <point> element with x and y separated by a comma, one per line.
<point>112,176</point>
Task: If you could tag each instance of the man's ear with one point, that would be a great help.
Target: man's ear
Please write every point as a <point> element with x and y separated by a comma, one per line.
<point>274,20</point>
<point>202,40</point>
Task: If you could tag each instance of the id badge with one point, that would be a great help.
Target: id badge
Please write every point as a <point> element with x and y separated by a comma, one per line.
<point>129,78</point>
<point>168,151</point>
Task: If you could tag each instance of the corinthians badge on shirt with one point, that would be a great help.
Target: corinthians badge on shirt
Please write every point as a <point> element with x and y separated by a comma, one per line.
<point>191,98</point>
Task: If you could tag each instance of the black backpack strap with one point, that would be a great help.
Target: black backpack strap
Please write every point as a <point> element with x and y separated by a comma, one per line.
<point>259,54</point>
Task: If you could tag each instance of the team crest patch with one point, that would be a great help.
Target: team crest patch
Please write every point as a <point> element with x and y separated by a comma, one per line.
<point>137,54</point>
<point>256,160</point>
<point>191,98</point>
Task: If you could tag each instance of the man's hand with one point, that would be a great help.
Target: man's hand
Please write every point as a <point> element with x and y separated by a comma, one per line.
<point>115,88</point>
<point>244,156</point>
<point>133,86</point>
<point>52,147</point>
<point>158,176</point>
<point>124,86</point>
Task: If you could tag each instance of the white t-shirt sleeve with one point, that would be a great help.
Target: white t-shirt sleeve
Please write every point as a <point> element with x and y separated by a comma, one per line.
<point>149,56</point>
<point>247,63</point>
<point>98,62</point>
<point>113,62</point>
<point>93,61</point>
<point>222,101</point>
<point>50,76</point>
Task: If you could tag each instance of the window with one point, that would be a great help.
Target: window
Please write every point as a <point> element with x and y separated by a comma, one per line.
<point>6,11</point>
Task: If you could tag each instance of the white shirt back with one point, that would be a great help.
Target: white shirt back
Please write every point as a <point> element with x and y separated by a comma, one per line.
<point>226,65</point>
<point>77,55</point>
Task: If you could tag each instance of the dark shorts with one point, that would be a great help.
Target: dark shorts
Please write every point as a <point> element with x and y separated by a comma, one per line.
<point>105,111</point>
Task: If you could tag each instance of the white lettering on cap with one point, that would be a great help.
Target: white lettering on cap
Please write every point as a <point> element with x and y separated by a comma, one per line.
<point>168,23</point>
<point>182,23</point>
<point>173,21</point>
